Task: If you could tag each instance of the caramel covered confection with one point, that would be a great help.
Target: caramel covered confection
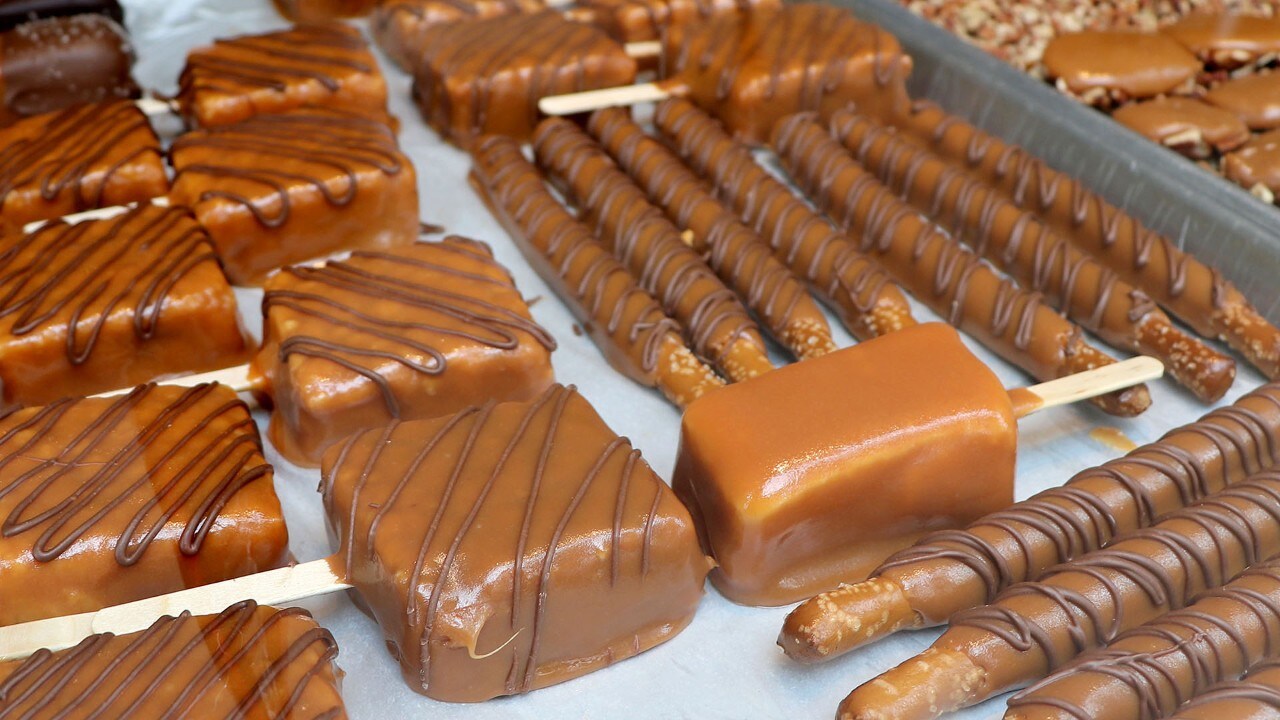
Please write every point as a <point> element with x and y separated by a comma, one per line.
<point>738,255</point>
<point>862,293</point>
<point>321,10</point>
<point>1186,125</point>
<point>625,321</point>
<point>279,189</point>
<point>512,546</point>
<point>84,157</point>
<point>326,65</point>
<point>778,470</point>
<point>1228,40</point>
<point>1256,166</point>
<point>644,20</point>
<point>955,282</point>
<point>108,500</point>
<point>640,235</point>
<point>107,304</point>
<point>753,68</point>
<point>401,26</point>
<point>1111,67</point>
<point>58,62</point>
<point>1034,628</point>
<point>1197,294</point>
<point>249,662</point>
<point>486,77</point>
<point>1255,99</point>
<point>18,12</point>
<point>1151,671</point>
<point>1022,245</point>
<point>950,571</point>
<point>420,331</point>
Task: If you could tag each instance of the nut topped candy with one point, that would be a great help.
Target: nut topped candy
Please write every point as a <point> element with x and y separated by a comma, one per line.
<point>1256,165</point>
<point>1228,40</point>
<point>1110,67</point>
<point>111,500</point>
<point>236,78</point>
<point>279,189</point>
<point>420,331</point>
<point>107,304</point>
<point>1189,126</point>
<point>84,157</point>
<point>1255,99</point>
<point>511,546</point>
<point>779,470</point>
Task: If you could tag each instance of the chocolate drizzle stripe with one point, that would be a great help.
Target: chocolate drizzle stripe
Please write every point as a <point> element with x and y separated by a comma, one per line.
<point>324,54</point>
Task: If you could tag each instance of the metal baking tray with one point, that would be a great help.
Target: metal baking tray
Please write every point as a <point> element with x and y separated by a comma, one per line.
<point>1207,215</point>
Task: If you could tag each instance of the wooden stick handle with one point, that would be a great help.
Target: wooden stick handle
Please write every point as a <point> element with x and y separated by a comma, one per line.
<point>590,100</point>
<point>155,107</point>
<point>644,48</point>
<point>280,587</point>
<point>103,213</point>
<point>1085,385</point>
<point>237,378</point>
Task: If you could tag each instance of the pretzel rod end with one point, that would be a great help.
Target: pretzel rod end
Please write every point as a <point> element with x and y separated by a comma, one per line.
<point>1129,402</point>
<point>1201,369</point>
<point>833,623</point>
<point>681,376</point>
<point>808,340</point>
<point>927,686</point>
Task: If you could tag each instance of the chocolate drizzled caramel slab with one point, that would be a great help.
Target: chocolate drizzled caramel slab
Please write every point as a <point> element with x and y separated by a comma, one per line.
<point>401,26</point>
<point>279,189</point>
<point>550,548</point>
<point>420,331</point>
<point>110,500</point>
<point>248,662</point>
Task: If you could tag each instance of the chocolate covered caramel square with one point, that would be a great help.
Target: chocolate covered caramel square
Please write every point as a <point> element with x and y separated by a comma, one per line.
<point>401,27</point>
<point>108,304</point>
<point>511,546</point>
<point>420,331</point>
<point>280,189</point>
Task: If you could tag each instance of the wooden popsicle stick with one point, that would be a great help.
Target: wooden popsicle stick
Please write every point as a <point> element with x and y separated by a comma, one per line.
<point>237,378</point>
<point>280,587</point>
<point>622,96</point>
<point>155,107</point>
<point>103,213</point>
<point>1085,385</point>
<point>643,48</point>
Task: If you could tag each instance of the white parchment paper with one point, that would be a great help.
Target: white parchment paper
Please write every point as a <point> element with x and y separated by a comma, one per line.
<point>725,665</point>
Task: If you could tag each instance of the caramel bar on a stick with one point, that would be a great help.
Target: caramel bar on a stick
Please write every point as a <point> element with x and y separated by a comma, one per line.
<point>106,304</point>
<point>283,188</point>
<point>1019,243</point>
<point>638,233</point>
<point>1012,322</point>
<point>737,254</point>
<point>85,157</point>
<point>248,662</point>
<point>1036,627</point>
<point>420,331</point>
<point>511,546</point>
<point>1149,672</point>
<point>401,27</point>
<point>1194,292</point>
<point>324,65</point>
<point>948,572</point>
<point>110,500</point>
<point>625,321</point>
<point>866,299</point>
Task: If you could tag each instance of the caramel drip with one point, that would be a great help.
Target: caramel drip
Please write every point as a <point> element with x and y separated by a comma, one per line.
<point>336,293</point>
<point>319,53</point>
<point>869,304</point>
<point>642,237</point>
<point>939,270</point>
<point>38,293</point>
<point>597,282</point>
<point>230,459</point>
<point>438,554</point>
<point>1175,659</point>
<point>1056,525</point>
<point>1021,244</point>
<point>1190,289</point>
<point>344,142</point>
<point>733,250</point>
<point>67,155</point>
<point>96,678</point>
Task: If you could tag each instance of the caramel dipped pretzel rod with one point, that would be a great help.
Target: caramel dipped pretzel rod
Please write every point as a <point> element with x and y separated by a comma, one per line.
<point>1036,627</point>
<point>1257,695</point>
<point>940,271</point>
<point>1148,672</point>
<point>642,237</point>
<point>950,571</point>
<point>1190,289</point>
<point>626,322</point>
<point>734,250</point>
<point>862,293</point>
<point>1022,245</point>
